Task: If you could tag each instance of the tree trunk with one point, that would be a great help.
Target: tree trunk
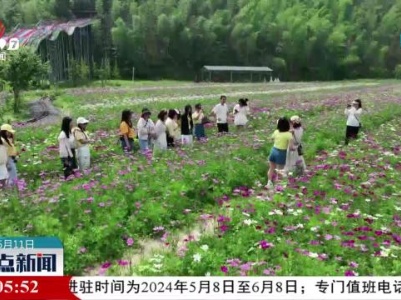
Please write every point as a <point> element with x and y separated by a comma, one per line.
<point>16,100</point>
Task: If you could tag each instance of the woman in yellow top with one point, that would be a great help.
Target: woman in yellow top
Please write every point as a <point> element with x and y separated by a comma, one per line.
<point>8,136</point>
<point>127,133</point>
<point>282,140</point>
<point>197,117</point>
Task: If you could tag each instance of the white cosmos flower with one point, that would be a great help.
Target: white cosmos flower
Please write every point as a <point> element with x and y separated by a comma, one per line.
<point>204,247</point>
<point>249,222</point>
<point>197,257</point>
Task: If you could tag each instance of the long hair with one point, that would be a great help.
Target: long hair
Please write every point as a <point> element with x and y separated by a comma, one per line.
<point>188,110</point>
<point>126,117</point>
<point>65,126</point>
<point>3,134</point>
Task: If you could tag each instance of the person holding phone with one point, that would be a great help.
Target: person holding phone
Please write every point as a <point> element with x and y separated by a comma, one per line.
<point>353,112</point>
<point>198,117</point>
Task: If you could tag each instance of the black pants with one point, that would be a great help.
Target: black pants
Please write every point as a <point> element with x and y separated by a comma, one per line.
<point>222,127</point>
<point>351,133</point>
<point>74,159</point>
<point>170,141</point>
<point>67,166</point>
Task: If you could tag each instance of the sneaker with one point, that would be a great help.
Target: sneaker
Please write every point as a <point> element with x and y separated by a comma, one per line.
<point>269,185</point>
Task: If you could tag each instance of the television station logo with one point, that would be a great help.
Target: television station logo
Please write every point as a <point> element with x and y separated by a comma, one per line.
<point>31,256</point>
<point>12,43</point>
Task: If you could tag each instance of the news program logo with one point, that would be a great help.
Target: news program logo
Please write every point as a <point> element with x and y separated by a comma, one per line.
<point>31,256</point>
<point>2,29</point>
<point>6,44</point>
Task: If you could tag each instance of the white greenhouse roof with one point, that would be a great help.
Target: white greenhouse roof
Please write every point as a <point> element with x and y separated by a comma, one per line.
<point>237,69</point>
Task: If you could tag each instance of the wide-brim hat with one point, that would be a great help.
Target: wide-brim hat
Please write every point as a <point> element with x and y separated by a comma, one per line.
<point>146,111</point>
<point>82,120</point>
<point>8,128</point>
<point>295,119</point>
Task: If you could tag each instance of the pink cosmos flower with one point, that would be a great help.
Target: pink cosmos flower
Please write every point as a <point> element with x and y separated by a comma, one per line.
<point>265,245</point>
<point>130,241</point>
<point>123,262</point>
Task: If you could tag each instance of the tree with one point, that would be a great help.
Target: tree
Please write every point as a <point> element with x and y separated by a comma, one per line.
<point>21,68</point>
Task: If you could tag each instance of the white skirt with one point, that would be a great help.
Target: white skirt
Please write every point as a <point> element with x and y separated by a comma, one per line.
<point>240,119</point>
<point>83,157</point>
<point>161,142</point>
<point>3,172</point>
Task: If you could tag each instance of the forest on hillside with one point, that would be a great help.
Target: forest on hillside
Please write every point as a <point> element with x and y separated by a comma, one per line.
<point>298,39</point>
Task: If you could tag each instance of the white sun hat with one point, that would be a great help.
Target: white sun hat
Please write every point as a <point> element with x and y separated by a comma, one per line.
<point>82,120</point>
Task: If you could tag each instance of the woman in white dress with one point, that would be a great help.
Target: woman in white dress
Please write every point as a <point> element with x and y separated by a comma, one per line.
<point>82,143</point>
<point>160,142</point>
<point>295,162</point>
<point>3,165</point>
<point>146,129</point>
<point>241,110</point>
<point>66,140</point>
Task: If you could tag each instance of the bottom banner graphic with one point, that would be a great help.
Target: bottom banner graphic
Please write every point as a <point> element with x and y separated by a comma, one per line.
<point>201,288</point>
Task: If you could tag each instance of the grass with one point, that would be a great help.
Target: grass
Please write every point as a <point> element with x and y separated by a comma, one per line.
<point>143,199</point>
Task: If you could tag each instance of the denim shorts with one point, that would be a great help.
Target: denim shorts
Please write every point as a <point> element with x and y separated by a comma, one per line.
<point>278,156</point>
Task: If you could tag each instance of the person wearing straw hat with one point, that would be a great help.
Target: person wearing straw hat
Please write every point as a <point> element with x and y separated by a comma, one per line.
<point>82,143</point>
<point>295,162</point>
<point>146,130</point>
<point>8,137</point>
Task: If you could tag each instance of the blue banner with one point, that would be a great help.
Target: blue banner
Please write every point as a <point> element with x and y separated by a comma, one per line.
<point>30,243</point>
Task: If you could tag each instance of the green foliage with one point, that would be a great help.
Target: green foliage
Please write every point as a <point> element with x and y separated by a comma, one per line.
<point>103,72</point>
<point>317,39</point>
<point>20,69</point>
<point>78,72</point>
<point>397,72</point>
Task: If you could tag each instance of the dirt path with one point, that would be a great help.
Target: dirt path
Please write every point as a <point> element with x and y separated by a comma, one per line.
<point>43,113</point>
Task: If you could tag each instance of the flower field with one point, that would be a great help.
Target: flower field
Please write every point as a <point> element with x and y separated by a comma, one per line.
<point>203,210</point>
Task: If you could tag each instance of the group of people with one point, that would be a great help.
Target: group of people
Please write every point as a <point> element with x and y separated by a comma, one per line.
<point>286,154</point>
<point>174,127</point>
<point>8,156</point>
<point>74,145</point>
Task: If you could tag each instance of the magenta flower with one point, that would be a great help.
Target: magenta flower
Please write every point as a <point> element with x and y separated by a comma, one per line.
<point>224,269</point>
<point>123,262</point>
<point>349,273</point>
<point>130,241</point>
<point>106,265</point>
<point>265,245</point>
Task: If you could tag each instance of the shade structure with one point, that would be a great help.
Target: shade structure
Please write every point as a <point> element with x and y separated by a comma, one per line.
<point>58,42</point>
<point>236,69</point>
